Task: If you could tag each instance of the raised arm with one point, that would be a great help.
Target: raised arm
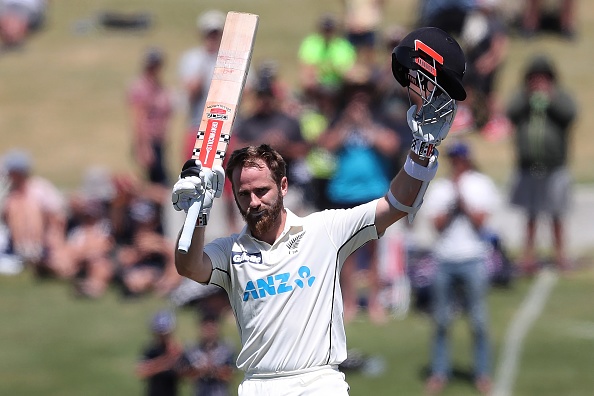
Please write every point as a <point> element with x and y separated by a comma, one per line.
<point>203,185</point>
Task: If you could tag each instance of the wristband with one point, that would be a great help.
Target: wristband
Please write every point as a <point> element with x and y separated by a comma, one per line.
<point>420,172</point>
<point>422,148</point>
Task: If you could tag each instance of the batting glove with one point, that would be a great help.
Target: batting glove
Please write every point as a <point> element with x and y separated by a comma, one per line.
<point>426,136</point>
<point>198,184</point>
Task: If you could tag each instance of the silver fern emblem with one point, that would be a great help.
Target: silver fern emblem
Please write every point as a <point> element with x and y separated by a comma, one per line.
<point>293,243</point>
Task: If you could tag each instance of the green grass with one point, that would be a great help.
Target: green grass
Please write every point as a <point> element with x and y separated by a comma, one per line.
<point>54,344</point>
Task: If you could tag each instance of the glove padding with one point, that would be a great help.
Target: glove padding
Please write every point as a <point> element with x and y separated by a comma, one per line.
<point>198,184</point>
<point>427,136</point>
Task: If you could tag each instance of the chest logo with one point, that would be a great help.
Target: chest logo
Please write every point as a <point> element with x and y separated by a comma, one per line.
<point>278,284</point>
<point>293,243</point>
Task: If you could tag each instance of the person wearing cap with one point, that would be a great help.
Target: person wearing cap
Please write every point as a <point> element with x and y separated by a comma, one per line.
<point>34,212</point>
<point>210,362</point>
<point>160,360</point>
<point>195,70</point>
<point>542,112</point>
<point>151,108</point>
<point>459,207</point>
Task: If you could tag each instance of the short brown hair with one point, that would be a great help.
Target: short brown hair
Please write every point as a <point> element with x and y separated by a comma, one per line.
<point>249,157</point>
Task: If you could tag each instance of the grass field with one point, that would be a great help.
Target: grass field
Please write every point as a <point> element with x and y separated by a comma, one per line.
<point>63,98</point>
<point>55,345</point>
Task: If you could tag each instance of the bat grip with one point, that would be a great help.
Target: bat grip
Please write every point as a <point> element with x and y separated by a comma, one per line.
<point>185,239</point>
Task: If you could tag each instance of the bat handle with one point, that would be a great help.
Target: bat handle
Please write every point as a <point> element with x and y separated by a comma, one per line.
<point>185,239</point>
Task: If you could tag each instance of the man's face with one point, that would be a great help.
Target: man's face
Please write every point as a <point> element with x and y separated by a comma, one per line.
<point>259,199</point>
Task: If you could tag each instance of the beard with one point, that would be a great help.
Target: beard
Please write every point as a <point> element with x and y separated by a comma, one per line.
<point>261,222</point>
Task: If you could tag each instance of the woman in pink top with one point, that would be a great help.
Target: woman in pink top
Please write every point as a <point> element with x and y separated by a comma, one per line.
<point>152,110</point>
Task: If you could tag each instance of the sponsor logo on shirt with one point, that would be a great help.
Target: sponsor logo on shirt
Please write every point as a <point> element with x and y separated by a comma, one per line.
<point>277,284</point>
<point>245,257</point>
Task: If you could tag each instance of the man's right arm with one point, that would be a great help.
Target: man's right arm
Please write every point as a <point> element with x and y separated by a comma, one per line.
<point>195,264</point>
<point>196,185</point>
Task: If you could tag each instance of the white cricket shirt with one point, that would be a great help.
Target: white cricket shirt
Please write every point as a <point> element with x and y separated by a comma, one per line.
<point>286,297</point>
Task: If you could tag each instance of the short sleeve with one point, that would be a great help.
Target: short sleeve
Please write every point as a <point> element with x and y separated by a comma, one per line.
<point>219,252</point>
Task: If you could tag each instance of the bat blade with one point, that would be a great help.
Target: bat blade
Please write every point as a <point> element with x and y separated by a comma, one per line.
<point>222,102</point>
<point>225,91</point>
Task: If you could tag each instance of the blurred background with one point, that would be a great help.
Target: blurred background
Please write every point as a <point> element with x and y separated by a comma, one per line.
<point>78,307</point>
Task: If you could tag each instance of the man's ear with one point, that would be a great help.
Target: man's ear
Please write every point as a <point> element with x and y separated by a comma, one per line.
<point>284,186</point>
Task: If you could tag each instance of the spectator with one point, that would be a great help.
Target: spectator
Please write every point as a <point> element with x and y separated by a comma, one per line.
<point>314,119</point>
<point>534,12</point>
<point>485,40</point>
<point>542,112</point>
<point>160,359</point>
<point>147,263</point>
<point>324,57</point>
<point>196,68</point>
<point>269,123</point>
<point>19,19</point>
<point>89,248</point>
<point>128,190</point>
<point>34,212</point>
<point>152,109</point>
<point>362,22</point>
<point>459,207</point>
<point>210,363</point>
<point>448,15</point>
<point>364,149</point>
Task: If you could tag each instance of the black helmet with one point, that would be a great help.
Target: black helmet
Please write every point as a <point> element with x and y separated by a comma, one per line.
<point>435,54</point>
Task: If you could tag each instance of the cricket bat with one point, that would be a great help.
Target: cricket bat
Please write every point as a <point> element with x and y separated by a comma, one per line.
<point>222,102</point>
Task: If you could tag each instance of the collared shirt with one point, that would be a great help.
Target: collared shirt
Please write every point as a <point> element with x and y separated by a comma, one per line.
<point>286,296</point>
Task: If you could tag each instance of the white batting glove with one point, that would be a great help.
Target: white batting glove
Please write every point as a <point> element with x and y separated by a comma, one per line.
<point>426,136</point>
<point>198,184</point>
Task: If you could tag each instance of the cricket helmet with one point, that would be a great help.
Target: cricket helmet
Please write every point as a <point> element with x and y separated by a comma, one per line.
<point>435,54</point>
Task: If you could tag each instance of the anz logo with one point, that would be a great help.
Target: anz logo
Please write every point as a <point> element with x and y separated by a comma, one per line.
<point>278,284</point>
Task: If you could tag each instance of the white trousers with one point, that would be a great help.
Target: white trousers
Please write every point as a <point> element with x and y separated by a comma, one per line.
<point>320,382</point>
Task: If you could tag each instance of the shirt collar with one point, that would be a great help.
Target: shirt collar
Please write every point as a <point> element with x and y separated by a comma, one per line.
<point>293,224</point>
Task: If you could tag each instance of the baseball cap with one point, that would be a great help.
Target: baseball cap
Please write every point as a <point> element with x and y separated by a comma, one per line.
<point>458,149</point>
<point>163,322</point>
<point>17,160</point>
<point>449,74</point>
<point>211,21</point>
<point>540,64</point>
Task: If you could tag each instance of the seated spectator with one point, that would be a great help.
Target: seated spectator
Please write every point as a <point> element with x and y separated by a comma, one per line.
<point>160,359</point>
<point>147,263</point>
<point>88,250</point>
<point>535,12</point>
<point>20,18</point>
<point>35,216</point>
